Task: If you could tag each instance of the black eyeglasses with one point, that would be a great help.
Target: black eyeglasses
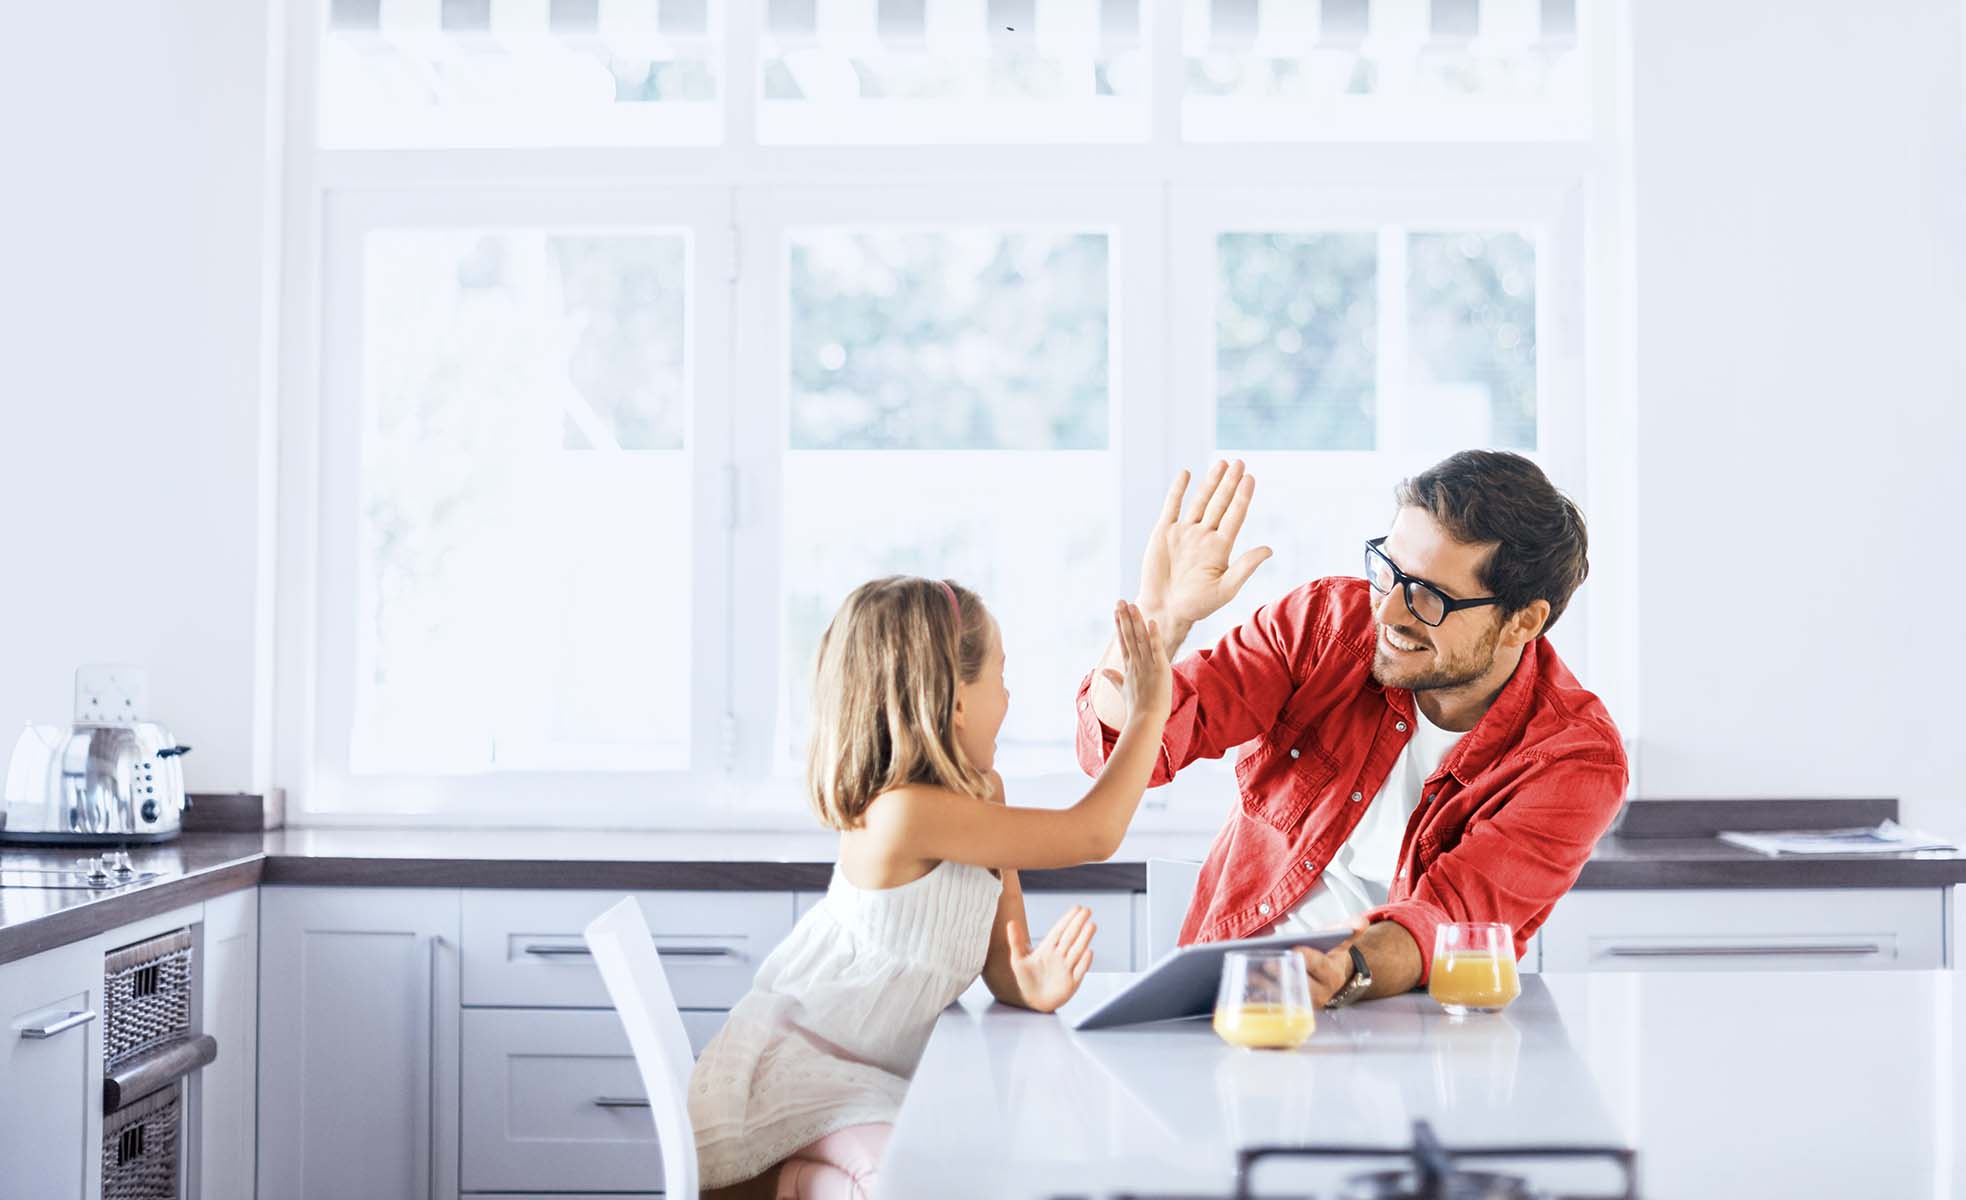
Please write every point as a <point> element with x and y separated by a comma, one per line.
<point>1425,601</point>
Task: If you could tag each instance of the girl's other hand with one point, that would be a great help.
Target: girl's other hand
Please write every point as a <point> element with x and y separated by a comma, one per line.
<point>1049,974</point>
<point>1148,683</point>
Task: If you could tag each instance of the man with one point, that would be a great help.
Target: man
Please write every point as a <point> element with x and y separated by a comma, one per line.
<point>1413,751</point>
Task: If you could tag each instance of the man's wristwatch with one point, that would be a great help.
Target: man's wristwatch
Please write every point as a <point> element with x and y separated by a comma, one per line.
<point>1354,987</point>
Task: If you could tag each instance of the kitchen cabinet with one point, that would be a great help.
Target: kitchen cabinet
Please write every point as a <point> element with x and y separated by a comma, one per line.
<point>224,1095</point>
<point>1112,912</point>
<point>553,1100</point>
<point>1747,929</point>
<point>358,1051</point>
<point>1120,944</point>
<point>51,1065</point>
<point>524,948</point>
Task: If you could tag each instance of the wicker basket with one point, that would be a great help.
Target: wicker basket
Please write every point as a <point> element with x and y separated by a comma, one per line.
<point>140,1148</point>
<point>146,995</point>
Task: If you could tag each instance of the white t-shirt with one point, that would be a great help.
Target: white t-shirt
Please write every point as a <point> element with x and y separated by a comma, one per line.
<point>1360,875</point>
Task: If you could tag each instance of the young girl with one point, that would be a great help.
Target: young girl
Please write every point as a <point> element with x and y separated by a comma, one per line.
<point>796,1096</point>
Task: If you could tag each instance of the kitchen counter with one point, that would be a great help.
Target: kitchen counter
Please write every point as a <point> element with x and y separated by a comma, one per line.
<point>1726,1085</point>
<point>198,866</point>
<point>1659,844</point>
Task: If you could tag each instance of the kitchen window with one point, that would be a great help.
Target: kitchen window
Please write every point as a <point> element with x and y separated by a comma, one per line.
<point>617,398</point>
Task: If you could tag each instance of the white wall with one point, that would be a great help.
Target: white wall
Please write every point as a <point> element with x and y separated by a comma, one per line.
<point>133,160</point>
<point>1800,217</point>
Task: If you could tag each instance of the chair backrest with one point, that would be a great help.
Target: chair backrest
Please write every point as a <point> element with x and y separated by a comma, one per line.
<point>1170,886</point>
<point>625,952</point>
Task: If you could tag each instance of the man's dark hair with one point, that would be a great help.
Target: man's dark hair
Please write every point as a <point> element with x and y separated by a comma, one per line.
<point>1494,496</point>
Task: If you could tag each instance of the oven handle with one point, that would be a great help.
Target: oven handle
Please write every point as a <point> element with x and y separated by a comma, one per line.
<point>137,1077</point>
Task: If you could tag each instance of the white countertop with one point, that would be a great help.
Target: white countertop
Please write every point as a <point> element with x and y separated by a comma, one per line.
<point>1727,1085</point>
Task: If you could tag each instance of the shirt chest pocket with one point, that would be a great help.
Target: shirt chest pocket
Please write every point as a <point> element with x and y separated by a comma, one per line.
<point>1280,777</point>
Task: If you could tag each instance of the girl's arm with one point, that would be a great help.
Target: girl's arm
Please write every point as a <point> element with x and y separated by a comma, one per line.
<point>931,823</point>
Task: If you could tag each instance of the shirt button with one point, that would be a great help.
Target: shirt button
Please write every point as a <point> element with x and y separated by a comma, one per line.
<point>1264,909</point>
<point>1357,796</point>
<point>1427,799</point>
<point>1294,752</point>
<point>1401,727</point>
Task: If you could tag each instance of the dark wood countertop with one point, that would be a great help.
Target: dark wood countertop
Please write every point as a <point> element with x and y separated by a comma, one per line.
<point>202,865</point>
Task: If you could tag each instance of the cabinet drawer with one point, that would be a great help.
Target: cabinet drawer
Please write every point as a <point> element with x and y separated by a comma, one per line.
<point>523,949</point>
<point>1747,930</point>
<point>531,1121</point>
<point>1112,912</point>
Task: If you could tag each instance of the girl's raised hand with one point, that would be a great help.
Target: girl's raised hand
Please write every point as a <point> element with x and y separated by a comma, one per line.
<point>1049,974</point>
<point>1148,683</point>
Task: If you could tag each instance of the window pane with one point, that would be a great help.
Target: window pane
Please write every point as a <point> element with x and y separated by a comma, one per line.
<point>1453,68</point>
<point>1296,340</point>
<point>939,73</point>
<point>965,339</point>
<point>517,75</point>
<point>950,399</point>
<point>525,502</point>
<point>1471,340</point>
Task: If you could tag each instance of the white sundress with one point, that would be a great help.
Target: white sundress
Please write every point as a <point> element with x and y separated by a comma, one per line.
<point>837,1018</point>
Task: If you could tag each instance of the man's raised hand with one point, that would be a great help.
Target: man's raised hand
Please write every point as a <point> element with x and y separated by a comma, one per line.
<point>1187,573</point>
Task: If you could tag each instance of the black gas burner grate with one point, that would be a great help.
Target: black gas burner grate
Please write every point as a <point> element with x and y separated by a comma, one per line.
<point>1427,1170</point>
<point>1431,1171</point>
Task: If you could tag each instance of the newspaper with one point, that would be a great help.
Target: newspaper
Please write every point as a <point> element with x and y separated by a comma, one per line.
<point>1888,837</point>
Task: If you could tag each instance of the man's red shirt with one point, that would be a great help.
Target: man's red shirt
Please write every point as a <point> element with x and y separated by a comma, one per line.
<point>1504,825</point>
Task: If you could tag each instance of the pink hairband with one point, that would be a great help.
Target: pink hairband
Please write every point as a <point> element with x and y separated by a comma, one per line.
<point>955,609</point>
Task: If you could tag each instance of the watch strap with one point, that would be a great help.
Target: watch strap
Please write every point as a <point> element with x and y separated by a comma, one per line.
<point>1360,981</point>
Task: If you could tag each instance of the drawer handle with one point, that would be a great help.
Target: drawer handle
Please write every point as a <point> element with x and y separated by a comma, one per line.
<point>61,1025</point>
<point>620,1102</point>
<point>1846,949</point>
<point>550,950</point>
<point>697,952</point>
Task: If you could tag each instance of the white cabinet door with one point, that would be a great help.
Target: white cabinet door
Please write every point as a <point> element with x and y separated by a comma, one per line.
<point>50,1072</point>
<point>225,1092</point>
<point>1747,929</point>
<point>358,1049</point>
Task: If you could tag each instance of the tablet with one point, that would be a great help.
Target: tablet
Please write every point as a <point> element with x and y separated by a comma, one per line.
<point>1183,983</point>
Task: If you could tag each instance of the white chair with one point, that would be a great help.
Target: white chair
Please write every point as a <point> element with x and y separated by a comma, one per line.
<point>625,952</point>
<point>1170,886</point>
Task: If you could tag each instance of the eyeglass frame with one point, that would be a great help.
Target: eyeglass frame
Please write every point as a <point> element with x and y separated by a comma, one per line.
<point>1448,607</point>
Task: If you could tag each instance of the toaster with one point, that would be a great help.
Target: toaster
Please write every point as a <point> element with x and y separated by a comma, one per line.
<point>94,783</point>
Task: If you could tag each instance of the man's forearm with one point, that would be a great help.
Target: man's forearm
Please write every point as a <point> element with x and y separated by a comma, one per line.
<point>1393,956</point>
<point>1107,703</point>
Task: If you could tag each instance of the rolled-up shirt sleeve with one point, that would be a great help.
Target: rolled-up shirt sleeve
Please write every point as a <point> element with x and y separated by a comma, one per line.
<point>1515,866</point>
<point>1223,696</point>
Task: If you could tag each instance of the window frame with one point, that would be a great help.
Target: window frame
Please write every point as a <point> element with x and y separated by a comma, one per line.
<point>736,195</point>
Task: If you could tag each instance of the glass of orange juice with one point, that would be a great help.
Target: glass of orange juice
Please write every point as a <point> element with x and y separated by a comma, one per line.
<point>1264,1002</point>
<point>1474,968</point>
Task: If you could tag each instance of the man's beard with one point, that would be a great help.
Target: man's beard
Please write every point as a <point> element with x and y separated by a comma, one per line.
<point>1456,672</point>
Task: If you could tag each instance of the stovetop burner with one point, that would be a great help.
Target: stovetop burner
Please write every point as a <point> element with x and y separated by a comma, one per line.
<point>94,874</point>
<point>1457,1184</point>
<point>1433,1172</point>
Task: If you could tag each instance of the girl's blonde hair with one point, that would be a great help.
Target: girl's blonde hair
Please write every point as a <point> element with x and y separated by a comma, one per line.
<point>884,694</point>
